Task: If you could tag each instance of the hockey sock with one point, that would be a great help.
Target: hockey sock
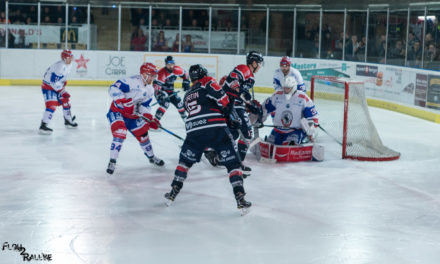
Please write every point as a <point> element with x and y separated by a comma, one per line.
<point>115,148</point>
<point>160,112</point>
<point>242,149</point>
<point>67,114</point>
<point>236,180</point>
<point>180,175</point>
<point>47,116</point>
<point>146,146</point>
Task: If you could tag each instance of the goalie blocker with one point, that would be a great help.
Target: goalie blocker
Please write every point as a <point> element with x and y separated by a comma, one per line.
<point>291,153</point>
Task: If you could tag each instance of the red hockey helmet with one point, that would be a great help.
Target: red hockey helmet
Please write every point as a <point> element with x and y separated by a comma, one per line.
<point>148,68</point>
<point>66,54</point>
<point>285,61</point>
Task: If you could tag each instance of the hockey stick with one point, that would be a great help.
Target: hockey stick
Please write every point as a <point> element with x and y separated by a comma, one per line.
<point>333,137</point>
<point>161,127</point>
<point>169,96</point>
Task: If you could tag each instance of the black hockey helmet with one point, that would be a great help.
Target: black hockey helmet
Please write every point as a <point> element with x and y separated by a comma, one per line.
<point>254,56</point>
<point>169,59</point>
<point>197,72</point>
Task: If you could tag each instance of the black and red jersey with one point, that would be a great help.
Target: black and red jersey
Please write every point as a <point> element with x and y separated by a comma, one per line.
<point>239,81</point>
<point>205,102</point>
<point>165,79</point>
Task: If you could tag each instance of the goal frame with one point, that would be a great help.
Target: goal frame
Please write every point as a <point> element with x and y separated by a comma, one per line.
<point>346,84</point>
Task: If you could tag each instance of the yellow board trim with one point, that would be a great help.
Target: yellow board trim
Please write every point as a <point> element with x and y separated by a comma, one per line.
<point>420,113</point>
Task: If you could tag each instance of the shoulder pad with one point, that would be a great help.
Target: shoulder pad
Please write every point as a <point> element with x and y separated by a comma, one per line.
<point>162,75</point>
<point>303,96</point>
<point>244,71</point>
<point>178,71</point>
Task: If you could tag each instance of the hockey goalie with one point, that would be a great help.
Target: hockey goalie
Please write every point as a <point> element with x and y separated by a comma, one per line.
<point>295,119</point>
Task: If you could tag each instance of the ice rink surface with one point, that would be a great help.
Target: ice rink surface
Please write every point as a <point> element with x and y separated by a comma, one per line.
<point>55,197</point>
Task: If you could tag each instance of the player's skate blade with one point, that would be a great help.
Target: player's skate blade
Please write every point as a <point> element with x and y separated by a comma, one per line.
<point>242,204</point>
<point>156,161</point>
<point>44,130</point>
<point>111,166</point>
<point>70,124</point>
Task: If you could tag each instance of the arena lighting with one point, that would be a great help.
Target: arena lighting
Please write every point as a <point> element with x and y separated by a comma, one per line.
<point>113,6</point>
<point>422,18</point>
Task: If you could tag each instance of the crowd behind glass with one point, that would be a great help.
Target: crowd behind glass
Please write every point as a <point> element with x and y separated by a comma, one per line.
<point>406,37</point>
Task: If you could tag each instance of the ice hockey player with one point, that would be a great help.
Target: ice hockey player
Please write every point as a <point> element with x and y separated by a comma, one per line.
<point>238,85</point>
<point>164,88</point>
<point>131,99</point>
<point>295,117</point>
<point>207,105</point>
<point>285,71</point>
<point>55,93</point>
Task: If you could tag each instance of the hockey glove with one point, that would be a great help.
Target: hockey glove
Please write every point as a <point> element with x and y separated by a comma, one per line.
<point>153,122</point>
<point>255,108</point>
<point>185,85</point>
<point>234,121</point>
<point>126,107</point>
<point>162,97</point>
<point>64,96</point>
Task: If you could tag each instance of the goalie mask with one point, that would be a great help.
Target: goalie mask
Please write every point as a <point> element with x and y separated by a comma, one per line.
<point>289,86</point>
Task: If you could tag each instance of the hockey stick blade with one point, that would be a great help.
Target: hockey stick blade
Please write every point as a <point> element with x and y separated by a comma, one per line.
<point>254,142</point>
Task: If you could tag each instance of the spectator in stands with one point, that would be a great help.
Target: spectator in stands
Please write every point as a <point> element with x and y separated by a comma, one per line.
<point>29,20</point>
<point>161,43</point>
<point>20,41</point>
<point>351,48</point>
<point>142,22</point>
<point>3,18</point>
<point>397,54</point>
<point>187,44</point>
<point>46,13</point>
<point>431,54</point>
<point>411,40</point>
<point>167,24</point>
<point>60,21</point>
<point>187,22</point>
<point>74,21</point>
<point>176,43</point>
<point>138,40</point>
<point>428,40</point>
<point>46,20</point>
<point>415,55</point>
<point>154,24</point>
<point>194,23</point>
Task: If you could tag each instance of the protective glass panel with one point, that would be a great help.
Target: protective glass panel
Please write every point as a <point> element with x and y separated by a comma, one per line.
<point>280,33</point>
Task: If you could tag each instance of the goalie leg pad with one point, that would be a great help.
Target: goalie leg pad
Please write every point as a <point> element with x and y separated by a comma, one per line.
<point>318,152</point>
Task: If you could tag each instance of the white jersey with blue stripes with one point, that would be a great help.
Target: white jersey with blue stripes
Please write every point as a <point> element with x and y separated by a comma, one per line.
<point>134,88</point>
<point>56,75</point>
<point>279,77</point>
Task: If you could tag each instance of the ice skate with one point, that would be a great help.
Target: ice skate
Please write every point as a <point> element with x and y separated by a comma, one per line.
<point>242,204</point>
<point>156,161</point>
<point>111,166</point>
<point>171,195</point>
<point>44,130</point>
<point>212,157</point>
<point>70,124</point>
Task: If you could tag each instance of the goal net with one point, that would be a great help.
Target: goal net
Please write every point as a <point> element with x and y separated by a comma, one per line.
<point>343,114</point>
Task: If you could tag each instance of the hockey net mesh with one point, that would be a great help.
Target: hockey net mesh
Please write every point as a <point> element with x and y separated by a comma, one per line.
<point>362,139</point>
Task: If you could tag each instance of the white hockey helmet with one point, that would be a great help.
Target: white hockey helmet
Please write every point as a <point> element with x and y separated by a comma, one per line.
<point>289,86</point>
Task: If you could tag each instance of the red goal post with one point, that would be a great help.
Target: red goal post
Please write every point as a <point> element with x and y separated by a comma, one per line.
<point>343,113</point>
